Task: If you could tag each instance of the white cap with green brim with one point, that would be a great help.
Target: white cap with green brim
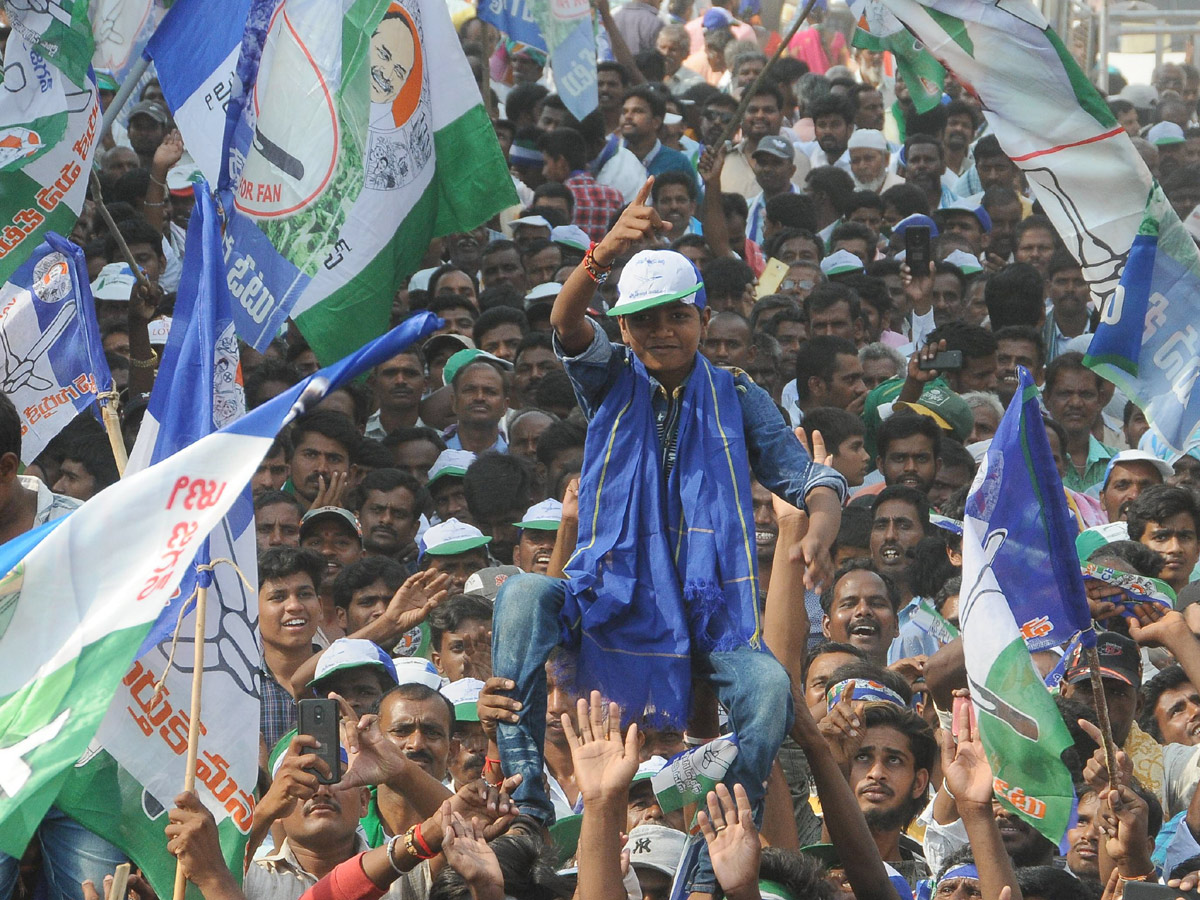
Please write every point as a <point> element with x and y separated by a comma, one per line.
<point>964,262</point>
<point>450,462</point>
<point>544,516</point>
<point>649,768</point>
<point>353,653</point>
<point>417,670</point>
<point>570,235</point>
<point>450,538</point>
<point>463,696</point>
<point>1164,134</point>
<point>841,262</point>
<point>532,221</point>
<point>656,278</point>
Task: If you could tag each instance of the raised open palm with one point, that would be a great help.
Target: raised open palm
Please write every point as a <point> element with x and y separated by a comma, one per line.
<point>604,763</point>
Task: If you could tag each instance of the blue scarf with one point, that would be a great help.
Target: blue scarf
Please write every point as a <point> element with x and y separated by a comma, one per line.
<point>664,568</point>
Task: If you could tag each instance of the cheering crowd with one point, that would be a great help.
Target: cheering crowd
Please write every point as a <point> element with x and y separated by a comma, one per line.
<point>686,461</point>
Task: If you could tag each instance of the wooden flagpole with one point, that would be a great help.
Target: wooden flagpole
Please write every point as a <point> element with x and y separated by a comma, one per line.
<point>193,744</point>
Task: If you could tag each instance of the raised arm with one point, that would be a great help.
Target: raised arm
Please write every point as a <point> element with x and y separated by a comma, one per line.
<point>712,212</point>
<point>569,313</point>
<point>969,779</point>
<point>847,826</point>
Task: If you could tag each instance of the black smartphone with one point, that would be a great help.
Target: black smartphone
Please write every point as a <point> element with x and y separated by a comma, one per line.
<point>916,248</point>
<point>1144,890</point>
<point>946,360</point>
<point>320,719</point>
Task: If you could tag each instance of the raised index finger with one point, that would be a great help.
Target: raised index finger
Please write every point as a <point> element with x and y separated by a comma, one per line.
<point>644,193</point>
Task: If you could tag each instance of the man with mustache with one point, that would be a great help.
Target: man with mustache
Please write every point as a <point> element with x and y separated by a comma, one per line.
<point>539,531</point>
<point>325,825</point>
<point>860,610</point>
<point>899,519</point>
<point>419,722</point>
<point>388,505</point>
<point>399,385</point>
<point>468,747</point>
<point>1129,473</point>
<point>324,441</point>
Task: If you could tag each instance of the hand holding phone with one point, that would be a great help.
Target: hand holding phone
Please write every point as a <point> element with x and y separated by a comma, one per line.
<point>321,718</point>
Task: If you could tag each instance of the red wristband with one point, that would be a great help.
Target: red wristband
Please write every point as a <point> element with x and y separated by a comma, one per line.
<point>429,854</point>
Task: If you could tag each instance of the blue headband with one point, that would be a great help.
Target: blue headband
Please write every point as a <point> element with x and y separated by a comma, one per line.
<point>517,153</point>
<point>864,689</point>
<point>966,870</point>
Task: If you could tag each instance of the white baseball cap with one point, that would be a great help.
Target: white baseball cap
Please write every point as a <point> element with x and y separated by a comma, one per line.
<point>353,653</point>
<point>571,235</point>
<point>450,462</point>
<point>656,847</point>
<point>655,278</point>
<point>964,262</point>
<point>417,670</point>
<point>841,262</point>
<point>463,695</point>
<point>544,516</point>
<point>1164,468</point>
<point>452,537</point>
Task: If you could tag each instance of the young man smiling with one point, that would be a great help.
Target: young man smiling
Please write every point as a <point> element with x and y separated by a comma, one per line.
<point>289,611</point>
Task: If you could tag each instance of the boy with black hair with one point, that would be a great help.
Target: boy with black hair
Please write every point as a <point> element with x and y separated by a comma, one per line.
<point>499,488</point>
<point>843,433</point>
<point>88,467</point>
<point>828,373</point>
<point>1167,519</point>
<point>672,414</point>
<point>499,331</point>
<point>909,450</point>
<point>460,638</point>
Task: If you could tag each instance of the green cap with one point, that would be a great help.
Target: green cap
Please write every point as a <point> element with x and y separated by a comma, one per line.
<point>945,407</point>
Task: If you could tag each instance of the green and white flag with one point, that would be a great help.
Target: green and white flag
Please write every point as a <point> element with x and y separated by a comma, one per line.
<point>48,131</point>
<point>688,777</point>
<point>1049,119</point>
<point>879,30</point>
<point>357,141</point>
<point>59,31</point>
<point>1016,522</point>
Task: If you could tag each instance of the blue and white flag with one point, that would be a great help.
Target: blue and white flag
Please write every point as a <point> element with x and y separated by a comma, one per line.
<point>1023,503</point>
<point>133,766</point>
<point>202,350</point>
<point>1147,343</point>
<point>199,77</point>
<point>564,30</point>
<point>1016,523</point>
<point>515,19</point>
<point>50,348</point>
<point>77,604</point>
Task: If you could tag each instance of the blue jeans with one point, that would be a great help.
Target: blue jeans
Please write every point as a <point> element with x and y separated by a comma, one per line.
<point>752,686</point>
<point>70,855</point>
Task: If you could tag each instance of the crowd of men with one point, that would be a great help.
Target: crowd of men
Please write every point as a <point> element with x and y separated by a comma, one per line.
<point>388,519</point>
